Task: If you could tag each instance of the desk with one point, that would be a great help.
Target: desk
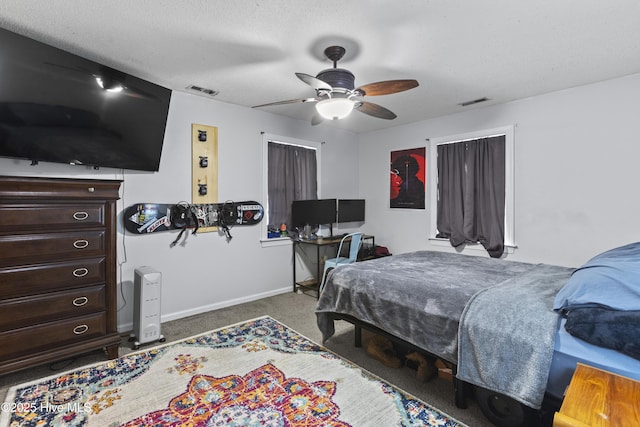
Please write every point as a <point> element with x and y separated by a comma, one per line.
<point>599,398</point>
<point>313,284</point>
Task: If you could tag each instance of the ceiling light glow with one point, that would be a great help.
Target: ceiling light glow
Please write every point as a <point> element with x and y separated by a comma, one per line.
<point>335,108</point>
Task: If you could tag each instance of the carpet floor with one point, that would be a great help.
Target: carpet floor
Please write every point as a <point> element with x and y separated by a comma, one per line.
<point>295,310</point>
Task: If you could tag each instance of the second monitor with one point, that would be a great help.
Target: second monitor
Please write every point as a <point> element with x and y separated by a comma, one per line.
<point>350,210</point>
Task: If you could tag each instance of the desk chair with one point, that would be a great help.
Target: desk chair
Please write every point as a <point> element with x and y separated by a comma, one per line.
<point>354,248</point>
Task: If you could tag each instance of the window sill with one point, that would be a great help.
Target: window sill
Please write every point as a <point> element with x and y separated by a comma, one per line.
<point>508,249</point>
<point>276,241</point>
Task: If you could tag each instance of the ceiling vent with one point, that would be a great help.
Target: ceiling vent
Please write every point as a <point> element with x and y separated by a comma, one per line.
<point>202,90</point>
<point>475,101</point>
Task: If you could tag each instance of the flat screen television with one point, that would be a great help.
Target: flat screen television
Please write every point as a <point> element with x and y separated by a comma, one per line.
<point>350,210</point>
<point>59,107</point>
<point>313,212</point>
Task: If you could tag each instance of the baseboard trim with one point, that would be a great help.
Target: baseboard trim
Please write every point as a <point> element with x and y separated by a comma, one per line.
<point>128,327</point>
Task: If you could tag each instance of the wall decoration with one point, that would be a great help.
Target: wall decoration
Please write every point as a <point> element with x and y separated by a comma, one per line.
<point>204,166</point>
<point>408,182</point>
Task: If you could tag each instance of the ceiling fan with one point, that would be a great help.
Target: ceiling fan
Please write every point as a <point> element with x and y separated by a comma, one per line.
<point>336,94</point>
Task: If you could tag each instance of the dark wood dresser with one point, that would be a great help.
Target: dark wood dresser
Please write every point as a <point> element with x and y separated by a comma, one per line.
<point>57,269</point>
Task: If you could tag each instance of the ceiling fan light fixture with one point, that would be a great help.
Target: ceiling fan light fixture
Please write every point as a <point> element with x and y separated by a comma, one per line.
<point>335,108</point>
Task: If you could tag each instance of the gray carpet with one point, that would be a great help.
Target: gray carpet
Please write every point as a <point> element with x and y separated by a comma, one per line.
<point>295,310</point>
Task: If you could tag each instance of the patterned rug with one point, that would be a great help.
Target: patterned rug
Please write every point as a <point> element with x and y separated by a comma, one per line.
<point>255,373</point>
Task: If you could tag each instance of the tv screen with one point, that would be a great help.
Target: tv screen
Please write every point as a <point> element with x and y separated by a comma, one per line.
<point>313,212</point>
<point>59,107</point>
<point>350,210</point>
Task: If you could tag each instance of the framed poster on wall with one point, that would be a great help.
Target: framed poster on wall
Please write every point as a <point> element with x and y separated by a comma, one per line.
<point>408,178</point>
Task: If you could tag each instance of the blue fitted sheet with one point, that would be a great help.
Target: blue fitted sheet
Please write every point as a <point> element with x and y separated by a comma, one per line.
<point>569,350</point>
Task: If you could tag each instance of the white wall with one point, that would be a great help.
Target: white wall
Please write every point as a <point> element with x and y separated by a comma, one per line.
<point>577,153</point>
<point>208,272</point>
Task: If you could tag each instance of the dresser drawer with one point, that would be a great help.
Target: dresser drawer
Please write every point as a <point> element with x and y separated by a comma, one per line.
<point>26,311</point>
<point>51,246</point>
<point>32,188</point>
<point>46,216</point>
<point>19,281</point>
<point>46,336</point>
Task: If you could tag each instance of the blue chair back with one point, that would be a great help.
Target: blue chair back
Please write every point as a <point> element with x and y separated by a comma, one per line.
<point>354,248</point>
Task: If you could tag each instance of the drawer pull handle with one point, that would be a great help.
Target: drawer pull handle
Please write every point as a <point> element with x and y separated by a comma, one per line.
<point>80,272</point>
<point>80,244</point>
<point>80,215</point>
<point>80,329</point>
<point>80,301</point>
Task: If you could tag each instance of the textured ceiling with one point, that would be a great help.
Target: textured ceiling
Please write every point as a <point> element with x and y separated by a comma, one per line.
<point>249,50</point>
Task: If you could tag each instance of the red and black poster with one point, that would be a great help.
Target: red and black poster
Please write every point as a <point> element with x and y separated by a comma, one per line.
<point>408,178</point>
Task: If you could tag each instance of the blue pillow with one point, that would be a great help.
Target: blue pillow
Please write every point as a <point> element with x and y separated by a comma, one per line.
<point>611,279</point>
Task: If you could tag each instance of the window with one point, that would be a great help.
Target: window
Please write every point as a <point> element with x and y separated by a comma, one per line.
<point>291,172</point>
<point>471,189</point>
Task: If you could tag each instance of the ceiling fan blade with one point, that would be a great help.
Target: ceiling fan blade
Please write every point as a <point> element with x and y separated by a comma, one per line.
<point>314,82</point>
<point>376,110</point>
<point>289,101</point>
<point>387,87</point>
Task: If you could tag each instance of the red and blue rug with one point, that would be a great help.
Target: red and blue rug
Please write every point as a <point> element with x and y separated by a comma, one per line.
<point>255,373</point>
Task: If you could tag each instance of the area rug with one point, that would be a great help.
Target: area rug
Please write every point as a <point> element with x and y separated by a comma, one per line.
<point>255,373</point>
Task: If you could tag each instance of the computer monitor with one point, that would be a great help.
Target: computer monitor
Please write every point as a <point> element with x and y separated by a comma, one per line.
<point>313,212</point>
<point>350,210</point>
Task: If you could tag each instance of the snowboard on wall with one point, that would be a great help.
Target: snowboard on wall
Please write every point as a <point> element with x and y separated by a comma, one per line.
<point>143,218</point>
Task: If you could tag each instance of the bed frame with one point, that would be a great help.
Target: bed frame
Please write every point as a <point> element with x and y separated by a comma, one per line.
<point>462,389</point>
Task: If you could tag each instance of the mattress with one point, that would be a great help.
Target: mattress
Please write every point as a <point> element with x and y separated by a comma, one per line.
<point>417,297</point>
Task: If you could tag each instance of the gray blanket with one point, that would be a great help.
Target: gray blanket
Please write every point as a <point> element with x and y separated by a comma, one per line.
<point>418,297</point>
<point>507,332</point>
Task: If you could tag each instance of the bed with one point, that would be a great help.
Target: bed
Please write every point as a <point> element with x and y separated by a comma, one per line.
<point>500,323</point>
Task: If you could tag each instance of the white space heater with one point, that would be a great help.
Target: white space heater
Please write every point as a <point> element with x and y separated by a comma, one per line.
<point>146,311</point>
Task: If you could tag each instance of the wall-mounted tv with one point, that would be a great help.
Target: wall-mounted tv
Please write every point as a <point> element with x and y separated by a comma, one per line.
<point>350,210</point>
<point>59,107</point>
<point>313,212</point>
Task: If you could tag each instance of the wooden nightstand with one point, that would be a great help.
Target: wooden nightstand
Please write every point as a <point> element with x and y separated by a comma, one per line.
<point>598,398</point>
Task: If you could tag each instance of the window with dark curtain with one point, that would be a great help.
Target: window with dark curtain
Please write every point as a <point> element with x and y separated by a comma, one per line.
<point>292,175</point>
<point>471,193</point>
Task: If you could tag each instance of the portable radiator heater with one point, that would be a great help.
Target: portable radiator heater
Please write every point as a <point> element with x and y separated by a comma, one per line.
<point>146,311</point>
